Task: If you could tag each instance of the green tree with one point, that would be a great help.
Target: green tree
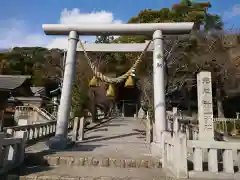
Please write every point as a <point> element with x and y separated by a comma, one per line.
<point>181,52</point>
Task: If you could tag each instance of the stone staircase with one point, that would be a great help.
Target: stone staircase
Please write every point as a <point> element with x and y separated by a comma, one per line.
<point>31,115</point>
<point>115,150</point>
<point>81,166</point>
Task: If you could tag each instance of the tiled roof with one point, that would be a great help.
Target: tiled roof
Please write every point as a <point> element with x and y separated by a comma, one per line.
<point>32,98</point>
<point>11,82</point>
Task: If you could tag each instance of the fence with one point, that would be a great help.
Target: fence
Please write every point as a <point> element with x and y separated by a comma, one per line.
<point>12,151</point>
<point>229,126</point>
<point>188,157</point>
<point>35,132</point>
<point>174,157</point>
<point>14,139</point>
<point>184,124</point>
<point>213,159</point>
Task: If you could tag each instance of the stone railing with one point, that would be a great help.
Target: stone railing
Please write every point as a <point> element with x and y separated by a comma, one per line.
<point>174,157</point>
<point>34,131</point>
<point>221,125</point>
<point>188,157</point>
<point>213,159</point>
<point>45,113</point>
<point>191,130</point>
<point>200,159</point>
<point>12,151</point>
<point>14,140</point>
<point>184,124</point>
<point>189,125</point>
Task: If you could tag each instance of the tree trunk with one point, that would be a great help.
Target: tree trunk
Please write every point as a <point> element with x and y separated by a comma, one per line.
<point>189,101</point>
<point>94,108</point>
<point>220,108</point>
<point>219,103</point>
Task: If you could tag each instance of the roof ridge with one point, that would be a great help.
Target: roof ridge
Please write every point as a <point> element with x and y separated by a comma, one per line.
<point>20,76</point>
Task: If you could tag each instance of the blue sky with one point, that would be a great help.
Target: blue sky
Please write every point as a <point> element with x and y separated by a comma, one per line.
<point>21,20</point>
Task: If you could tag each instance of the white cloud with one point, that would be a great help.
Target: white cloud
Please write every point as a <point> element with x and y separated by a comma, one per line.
<point>75,16</point>
<point>235,11</point>
<point>17,33</point>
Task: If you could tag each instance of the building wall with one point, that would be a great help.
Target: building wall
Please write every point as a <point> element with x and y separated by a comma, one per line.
<point>3,104</point>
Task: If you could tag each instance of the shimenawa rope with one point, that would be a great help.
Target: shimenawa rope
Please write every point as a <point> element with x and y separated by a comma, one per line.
<point>119,79</point>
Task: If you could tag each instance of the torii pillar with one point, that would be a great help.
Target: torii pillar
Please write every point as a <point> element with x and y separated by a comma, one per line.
<point>59,141</point>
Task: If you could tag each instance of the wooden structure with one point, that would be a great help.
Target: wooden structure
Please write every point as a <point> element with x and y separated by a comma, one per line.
<point>12,85</point>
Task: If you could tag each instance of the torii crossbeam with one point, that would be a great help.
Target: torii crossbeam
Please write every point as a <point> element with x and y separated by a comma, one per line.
<point>115,47</point>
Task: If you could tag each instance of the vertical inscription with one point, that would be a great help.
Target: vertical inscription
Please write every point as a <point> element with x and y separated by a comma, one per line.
<point>159,57</point>
<point>205,107</point>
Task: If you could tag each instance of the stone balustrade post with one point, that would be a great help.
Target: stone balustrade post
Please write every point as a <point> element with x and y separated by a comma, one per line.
<point>81,129</point>
<point>148,129</point>
<point>10,131</point>
<point>2,135</point>
<point>181,155</point>
<point>75,129</point>
<point>175,121</point>
<point>21,149</point>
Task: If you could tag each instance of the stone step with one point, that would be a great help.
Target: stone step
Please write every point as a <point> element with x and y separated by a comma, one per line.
<point>94,161</point>
<point>86,173</point>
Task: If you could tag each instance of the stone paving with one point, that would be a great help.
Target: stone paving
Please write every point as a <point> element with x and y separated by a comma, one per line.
<point>121,136</point>
<point>91,173</point>
<point>115,149</point>
<point>117,137</point>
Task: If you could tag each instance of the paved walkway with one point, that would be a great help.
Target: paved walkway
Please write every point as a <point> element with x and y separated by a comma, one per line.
<point>123,137</point>
<point>120,136</point>
<point>114,150</point>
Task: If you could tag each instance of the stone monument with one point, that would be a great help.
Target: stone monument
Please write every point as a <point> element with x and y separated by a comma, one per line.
<point>205,107</point>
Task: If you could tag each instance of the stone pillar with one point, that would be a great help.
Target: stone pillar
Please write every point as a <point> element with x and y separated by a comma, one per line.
<point>148,129</point>
<point>75,129</point>
<point>81,129</point>
<point>159,91</point>
<point>1,119</point>
<point>205,108</point>
<point>59,141</point>
<point>55,104</point>
<point>175,121</point>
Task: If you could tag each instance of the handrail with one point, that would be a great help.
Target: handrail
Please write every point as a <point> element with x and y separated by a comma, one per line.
<point>9,141</point>
<point>221,125</point>
<point>41,111</point>
<point>45,111</point>
<point>17,128</point>
<point>12,151</point>
<point>35,131</point>
<point>194,118</point>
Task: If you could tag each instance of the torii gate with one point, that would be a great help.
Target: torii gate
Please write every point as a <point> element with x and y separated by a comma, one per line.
<point>156,30</point>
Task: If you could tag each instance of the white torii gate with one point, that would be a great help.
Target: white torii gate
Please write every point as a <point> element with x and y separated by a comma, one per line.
<point>156,30</point>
